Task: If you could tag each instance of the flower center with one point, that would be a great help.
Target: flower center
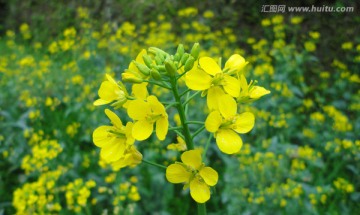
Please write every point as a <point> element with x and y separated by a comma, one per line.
<point>218,78</point>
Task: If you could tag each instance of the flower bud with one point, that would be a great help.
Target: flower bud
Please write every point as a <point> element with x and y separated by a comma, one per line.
<point>184,58</point>
<point>129,77</point>
<point>195,51</point>
<point>189,63</point>
<point>180,50</point>
<point>155,74</point>
<point>142,68</point>
<point>170,67</point>
<point>147,60</point>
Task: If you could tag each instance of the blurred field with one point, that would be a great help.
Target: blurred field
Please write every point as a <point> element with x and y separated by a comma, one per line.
<point>302,157</point>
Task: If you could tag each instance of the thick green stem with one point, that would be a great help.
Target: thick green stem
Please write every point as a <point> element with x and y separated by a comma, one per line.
<point>180,108</point>
<point>201,209</point>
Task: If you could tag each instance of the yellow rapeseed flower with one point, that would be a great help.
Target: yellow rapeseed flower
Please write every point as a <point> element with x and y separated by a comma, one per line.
<point>225,123</point>
<point>113,140</point>
<point>209,76</point>
<point>110,91</point>
<point>193,172</point>
<point>146,114</point>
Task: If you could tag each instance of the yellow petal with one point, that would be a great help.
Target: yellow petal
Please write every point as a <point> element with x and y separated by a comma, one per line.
<point>128,132</point>
<point>101,136</point>
<point>244,86</point>
<point>192,158</point>
<point>257,92</point>
<point>139,91</point>
<point>197,79</point>
<point>213,121</point>
<point>162,127</point>
<point>142,130</point>
<point>139,57</point>
<point>244,122</point>
<point>138,109</point>
<point>228,141</point>
<point>110,79</point>
<point>214,97</point>
<point>209,175</point>
<point>209,66</point>
<point>231,86</point>
<point>199,191</point>
<point>227,106</point>
<point>115,120</point>
<point>107,91</point>
<point>101,102</point>
<point>235,62</point>
<point>155,105</point>
<point>176,173</point>
<point>113,152</point>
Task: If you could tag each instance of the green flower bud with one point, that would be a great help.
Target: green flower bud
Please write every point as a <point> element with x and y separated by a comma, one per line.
<point>195,50</point>
<point>189,63</point>
<point>158,60</point>
<point>142,68</point>
<point>184,58</point>
<point>177,57</point>
<point>157,51</point>
<point>155,74</point>
<point>148,61</point>
<point>180,50</point>
<point>161,68</point>
<point>170,67</point>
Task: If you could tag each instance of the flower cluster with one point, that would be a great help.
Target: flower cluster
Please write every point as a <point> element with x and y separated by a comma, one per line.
<point>224,88</point>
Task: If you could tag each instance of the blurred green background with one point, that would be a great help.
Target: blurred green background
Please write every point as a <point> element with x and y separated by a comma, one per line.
<point>302,157</point>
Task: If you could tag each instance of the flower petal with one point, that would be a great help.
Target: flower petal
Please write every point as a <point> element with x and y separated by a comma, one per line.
<point>227,106</point>
<point>192,158</point>
<point>209,175</point>
<point>214,97</point>
<point>162,127</point>
<point>231,86</point>
<point>199,191</point>
<point>177,173</point>
<point>142,130</point>
<point>209,65</point>
<point>257,92</point>
<point>113,152</point>
<point>213,121</point>
<point>101,136</point>
<point>228,141</point>
<point>115,120</point>
<point>244,122</point>
<point>101,102</point>
<point>197,79</point>
<point>139,91</point>
<point>235,62</point>
<point>108,90</point>
<point>138,109</point>
<point>110,79</point>
<point>155,105</point>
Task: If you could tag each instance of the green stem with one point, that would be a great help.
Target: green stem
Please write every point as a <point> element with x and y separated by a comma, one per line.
<point>201,209</point>
<point>191,97</point>
<point>170,105</point>
<point>159,84</point>
<point>154,164</point>
<point>198,131</point>
<point>175,128</point>
<point>183,93</point>
<point>195,122</point>
<point>180,108</point>
<point>206,147</point>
